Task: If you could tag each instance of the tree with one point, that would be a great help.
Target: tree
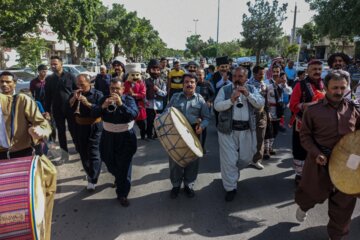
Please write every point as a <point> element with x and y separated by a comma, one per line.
<point>309,33</point>
<point>263,26</point>
<point>30,50</point>
<point>73,20</point>
<point>336,18</point>
<point>18,18</point>
<point>195,45</point>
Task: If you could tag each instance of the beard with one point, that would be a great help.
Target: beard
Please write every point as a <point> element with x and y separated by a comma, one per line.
<point>154,75</point>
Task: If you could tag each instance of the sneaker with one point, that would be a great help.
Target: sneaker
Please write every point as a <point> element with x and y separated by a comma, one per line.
<point>189,192</point>
<point>124,201</point>
<point>257,165</point>
<point>300,215</point>
<point>230,195</point>
<point>174,192</point>
<point>91,187</point>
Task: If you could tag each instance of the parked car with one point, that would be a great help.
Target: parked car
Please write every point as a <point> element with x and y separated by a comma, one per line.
<point>77,69</point>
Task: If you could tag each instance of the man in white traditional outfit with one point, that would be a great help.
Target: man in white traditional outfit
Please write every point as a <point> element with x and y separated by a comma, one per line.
<point>236,104</point>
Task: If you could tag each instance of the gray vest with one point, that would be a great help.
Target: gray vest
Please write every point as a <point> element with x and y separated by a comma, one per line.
<point>226,117</point>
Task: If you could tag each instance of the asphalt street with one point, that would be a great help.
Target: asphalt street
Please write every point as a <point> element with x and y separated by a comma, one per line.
<point>263,209</point>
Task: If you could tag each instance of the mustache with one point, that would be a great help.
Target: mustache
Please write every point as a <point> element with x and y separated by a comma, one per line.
<point>338,95</point>
<point>188,87</point>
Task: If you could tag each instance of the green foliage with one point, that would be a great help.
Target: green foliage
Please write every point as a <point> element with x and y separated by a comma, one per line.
<point>30,50</point>
<point>73,21</point>
<point>336,18</point>
<point>195,45</point>
<point>263,26</point>
<point>309,33</point>
<point>18,18</point>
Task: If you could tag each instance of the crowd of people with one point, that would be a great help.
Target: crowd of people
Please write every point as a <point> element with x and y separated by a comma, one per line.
<point>249,104</point>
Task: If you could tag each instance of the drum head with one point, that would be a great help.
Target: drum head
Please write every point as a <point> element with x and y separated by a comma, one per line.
<point>344,164</point>
<point>186,132</point>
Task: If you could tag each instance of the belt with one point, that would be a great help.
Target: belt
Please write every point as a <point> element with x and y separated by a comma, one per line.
<point>272,104</point>
<point>21,153</point>
<point>86,120</point>
<point>240,125</point>
<point>118,128</point>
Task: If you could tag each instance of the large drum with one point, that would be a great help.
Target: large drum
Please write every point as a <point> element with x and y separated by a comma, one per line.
<point>344,164</point>
<point>22,199</point>
<point>177,137</point>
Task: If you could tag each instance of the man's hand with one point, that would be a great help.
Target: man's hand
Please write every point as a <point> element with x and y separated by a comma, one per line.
<point>243,90</point>
<point>117,99</point>
<point>225,76</point>
<point>36,133</point>
<point>198,130</point>
<point>46,115</point>
<point>235,95</point>
<point>321,160</point>
<point>156,88</point>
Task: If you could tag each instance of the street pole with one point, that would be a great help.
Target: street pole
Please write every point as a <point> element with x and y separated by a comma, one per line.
<point>293,32</point>
<point>195,21</point>
<point>217,34</point>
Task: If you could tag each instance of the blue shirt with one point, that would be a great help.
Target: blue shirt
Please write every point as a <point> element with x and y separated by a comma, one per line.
<point>102,83</point>
<point>290,73</point>
<point>193,108</point>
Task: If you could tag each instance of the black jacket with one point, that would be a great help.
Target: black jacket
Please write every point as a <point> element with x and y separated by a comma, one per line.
<point>58,91</point>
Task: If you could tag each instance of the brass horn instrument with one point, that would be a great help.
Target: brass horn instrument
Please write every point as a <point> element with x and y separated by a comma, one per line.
<point>77,111</point>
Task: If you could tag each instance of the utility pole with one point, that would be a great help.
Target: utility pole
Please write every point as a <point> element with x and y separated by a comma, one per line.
<point>293,31</point>
<point>218,23</point>
<point>195,21</point>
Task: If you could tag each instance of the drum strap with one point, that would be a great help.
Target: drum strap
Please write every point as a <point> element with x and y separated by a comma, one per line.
<point>13,106</point>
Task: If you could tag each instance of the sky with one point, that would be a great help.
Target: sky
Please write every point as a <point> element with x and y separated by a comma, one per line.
<point>174,19</point>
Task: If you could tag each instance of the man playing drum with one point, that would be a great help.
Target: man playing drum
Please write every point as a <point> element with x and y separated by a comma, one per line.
<point>22,126</point>
<point>196,111</point>
<point>324,124</point>
<point>237,104</point>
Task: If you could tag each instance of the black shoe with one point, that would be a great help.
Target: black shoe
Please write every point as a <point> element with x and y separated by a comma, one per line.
<point>266,156</point>
<point>230,195</point>
<point>272,152</point>
<point>189,192</point>
<point>124,201</point>
<point>174,192</point>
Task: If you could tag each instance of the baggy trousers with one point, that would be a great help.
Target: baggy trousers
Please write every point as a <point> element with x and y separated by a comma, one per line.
<point>187,174</point>
<point>236,151</point>
<point>117,151</point>
<point>341,207</point>
<point>261,123</point>
<point>88,143</point>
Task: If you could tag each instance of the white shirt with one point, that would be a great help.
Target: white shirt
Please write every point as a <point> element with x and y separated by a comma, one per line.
<point>3,137</point>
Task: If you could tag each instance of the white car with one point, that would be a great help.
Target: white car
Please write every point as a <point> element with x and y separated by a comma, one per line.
<point>77,69</point>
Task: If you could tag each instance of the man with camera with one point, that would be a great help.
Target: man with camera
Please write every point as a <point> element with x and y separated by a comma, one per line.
<point>118,141</point>
<point>236,103</point>
<point>87,128</point>
<point>275,104</point>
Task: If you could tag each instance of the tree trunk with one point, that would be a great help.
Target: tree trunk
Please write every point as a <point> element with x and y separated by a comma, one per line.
<point>73,51</point>
<point>258,56</point>
<point>80,52</point>
<point>116,50</point>
<point>101,53</point>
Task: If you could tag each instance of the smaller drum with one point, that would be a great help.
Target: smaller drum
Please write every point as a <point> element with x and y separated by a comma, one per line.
<point>177,137</point>
<point>344,164</point>
<point>22,199</point>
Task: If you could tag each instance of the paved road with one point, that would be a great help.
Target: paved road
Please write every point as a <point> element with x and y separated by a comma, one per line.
<point>264,208</point>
